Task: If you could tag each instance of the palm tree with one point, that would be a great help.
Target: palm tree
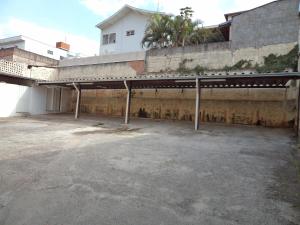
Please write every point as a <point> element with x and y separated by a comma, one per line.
<point>178,31</point>
<point>158,31</point>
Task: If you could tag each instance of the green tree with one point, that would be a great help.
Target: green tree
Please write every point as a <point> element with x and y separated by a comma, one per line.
<point>205,35</point>
<point>178,31</point>
<point>181,29</point>
<point>187,25</point>
<point>158,31</point>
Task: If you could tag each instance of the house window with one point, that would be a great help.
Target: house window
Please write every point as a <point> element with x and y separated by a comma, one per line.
<point>129,32</point>
<point>50,52</point>
<point>105,39</point>
<point>112,38</point>
<point>109,38</point>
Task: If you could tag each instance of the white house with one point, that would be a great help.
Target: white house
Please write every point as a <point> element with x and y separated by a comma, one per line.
<point>123,31</point>
<point>26,43</point>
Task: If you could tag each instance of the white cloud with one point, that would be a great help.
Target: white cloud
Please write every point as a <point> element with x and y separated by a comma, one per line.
<point>79,43</point>
<point>211,12</point>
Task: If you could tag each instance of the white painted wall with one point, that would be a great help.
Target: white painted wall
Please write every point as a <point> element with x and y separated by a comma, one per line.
<point>132,21</point>
<point>42,49</point>
<point>38,101</point>
<point>34,46</point>
<point>17,99</point>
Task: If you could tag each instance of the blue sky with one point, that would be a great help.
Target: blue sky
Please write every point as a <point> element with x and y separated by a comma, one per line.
<point>54,20</point>
<point>69,15</point>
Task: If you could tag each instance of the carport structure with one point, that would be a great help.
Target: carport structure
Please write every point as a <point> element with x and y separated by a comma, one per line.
<point>16,79</point>
<point>167,81</point>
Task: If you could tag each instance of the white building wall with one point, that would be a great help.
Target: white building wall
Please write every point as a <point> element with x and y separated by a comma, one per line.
<point>9,96</point>
<point>38,100</point>
<point>42,49</point>
<point>16,100</point>
<point>23,99</point>
<point>34,46</point>
<point>132,21</point>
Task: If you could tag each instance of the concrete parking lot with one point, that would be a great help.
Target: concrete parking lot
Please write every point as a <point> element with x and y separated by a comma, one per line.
<point>58,171</point>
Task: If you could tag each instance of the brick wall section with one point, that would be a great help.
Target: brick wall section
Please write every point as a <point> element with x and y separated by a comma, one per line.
<point>138,66</point>
<point>6,52</point>
<point>22,56</point>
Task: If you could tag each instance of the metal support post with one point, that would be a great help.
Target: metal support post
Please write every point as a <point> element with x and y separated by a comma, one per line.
<point>77,110</point>
<point>197,104</point>
<point>128,102</point>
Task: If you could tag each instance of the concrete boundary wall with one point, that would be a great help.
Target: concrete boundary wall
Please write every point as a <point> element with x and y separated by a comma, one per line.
<point>103,59</point>
<point>44,73</point>
<point>119,69</point>
<point>213,56</point>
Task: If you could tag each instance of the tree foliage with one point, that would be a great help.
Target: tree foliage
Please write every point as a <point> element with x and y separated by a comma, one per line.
<point>178,31</point>
<point>157,34</point>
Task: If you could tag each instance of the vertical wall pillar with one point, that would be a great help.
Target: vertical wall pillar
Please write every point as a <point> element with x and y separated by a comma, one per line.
<point>128,101</point>
<point>77,110</point>
<point>197,104</point>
